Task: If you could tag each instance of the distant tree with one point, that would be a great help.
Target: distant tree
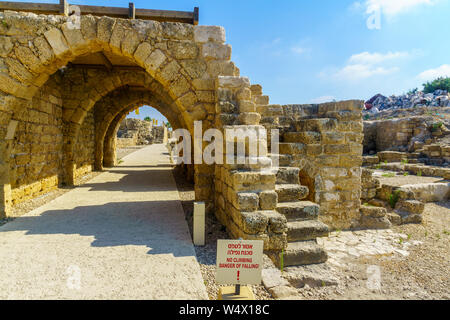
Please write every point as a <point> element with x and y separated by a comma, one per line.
<point>440,83</point>
<point>413,91</point>
<point>168,125</point>
<point>148,119</point>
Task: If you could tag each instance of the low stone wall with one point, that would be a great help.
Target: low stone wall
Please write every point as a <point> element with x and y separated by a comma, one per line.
<point>126,142</point>
<point>402,134</point>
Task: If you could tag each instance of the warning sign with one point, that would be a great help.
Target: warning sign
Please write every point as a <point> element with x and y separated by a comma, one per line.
<point>239,261</point>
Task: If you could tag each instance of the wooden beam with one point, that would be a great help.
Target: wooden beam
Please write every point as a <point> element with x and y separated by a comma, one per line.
<point>39,8</point>
<point>196,15</point>
<point>144,14</point>
<point>131,11</point>
<point>64,7</point>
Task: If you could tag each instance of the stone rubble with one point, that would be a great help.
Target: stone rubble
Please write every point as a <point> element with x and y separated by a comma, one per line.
<point>439,98</point>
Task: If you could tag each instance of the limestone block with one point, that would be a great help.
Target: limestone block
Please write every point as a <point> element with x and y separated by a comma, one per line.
<point>256,90</point>
<point>246,106</point>
<point>183,49</point>
<point>249,118</point>
<point>371,211</point>
<point>216,51</point>
<point>155,60</point>
<point>209,34</point>
<point>253,222</point>
<point>268,200</point>
<point>57,41</point>
<point>143,51</point>
<point>233,82</point>
<point>6,46</point>
<point>277,222</point>
<point>411,206</point>
<point>245,94</point>
<point>262,100</point>
<point>246,201</point>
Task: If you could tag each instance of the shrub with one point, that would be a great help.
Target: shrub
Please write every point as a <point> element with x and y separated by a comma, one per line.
<point>440,83</point>
<point>413,91</point>
<point>436,126</point>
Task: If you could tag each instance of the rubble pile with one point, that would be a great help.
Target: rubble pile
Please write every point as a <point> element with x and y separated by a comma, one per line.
<point>439,98</point>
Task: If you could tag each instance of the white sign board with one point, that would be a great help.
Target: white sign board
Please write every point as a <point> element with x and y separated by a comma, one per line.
<point>239,261</point>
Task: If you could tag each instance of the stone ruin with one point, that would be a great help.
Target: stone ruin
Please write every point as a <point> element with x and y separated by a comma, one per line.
<point>136,132</point>
<point>404,141</point>
<point>59,118</point>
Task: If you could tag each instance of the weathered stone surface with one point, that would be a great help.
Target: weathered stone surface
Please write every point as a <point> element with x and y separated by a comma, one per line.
<point>247,201</point>
<point>268,200</point>
<point>57,41</point>
<point>209,33</point>
<point>314,276</point>
<point>272,278</point>
<point>284,293</point>
<point>410,206</point>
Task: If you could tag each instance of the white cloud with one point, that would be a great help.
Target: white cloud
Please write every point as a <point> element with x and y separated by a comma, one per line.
<point>365,65</point>
<point>368,58</point>
<point>362,71</point>
<point>431,74</point>
<point>323,99</point>
<point>394,7</point>
<point>298,50</point>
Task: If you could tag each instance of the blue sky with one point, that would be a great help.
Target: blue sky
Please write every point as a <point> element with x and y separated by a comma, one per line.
<point>304,51</point>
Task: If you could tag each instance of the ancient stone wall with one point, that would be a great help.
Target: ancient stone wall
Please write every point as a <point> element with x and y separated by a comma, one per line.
<point>325,142</point>
<point>84,155</point>
<point>245,197</point>
<point>36,152</point>
<point>396,134</point>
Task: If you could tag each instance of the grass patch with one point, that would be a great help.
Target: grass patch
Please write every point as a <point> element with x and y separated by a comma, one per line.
<point>388,175</point>
<point>393,198</point>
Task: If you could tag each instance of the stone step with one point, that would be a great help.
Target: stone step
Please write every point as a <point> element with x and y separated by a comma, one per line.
<point>291,192</point>
<point>299,211</point>
<point>306,230</point>
<point>288,175</point>
<point>300,253</point>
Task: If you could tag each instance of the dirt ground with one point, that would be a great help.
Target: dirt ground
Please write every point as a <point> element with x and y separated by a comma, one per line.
<point>423,274</point>
<point>206,255</point>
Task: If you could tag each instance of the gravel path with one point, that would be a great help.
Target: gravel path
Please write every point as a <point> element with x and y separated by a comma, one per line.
<point>214,230</point>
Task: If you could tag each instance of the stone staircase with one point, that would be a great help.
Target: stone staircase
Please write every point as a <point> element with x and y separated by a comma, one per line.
<point>303,226</point>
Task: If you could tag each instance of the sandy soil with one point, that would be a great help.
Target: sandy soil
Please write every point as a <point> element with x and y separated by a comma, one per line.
<point>423,274</point>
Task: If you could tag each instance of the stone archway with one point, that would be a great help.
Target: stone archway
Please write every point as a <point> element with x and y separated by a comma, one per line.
<point>188,66</point>
<point>177,60</point>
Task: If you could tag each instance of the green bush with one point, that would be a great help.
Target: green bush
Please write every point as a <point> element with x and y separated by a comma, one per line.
<point>440,83</point>
<point>436,126</point>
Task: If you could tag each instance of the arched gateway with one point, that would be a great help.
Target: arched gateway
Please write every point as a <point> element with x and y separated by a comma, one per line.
<point>59,113</point>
